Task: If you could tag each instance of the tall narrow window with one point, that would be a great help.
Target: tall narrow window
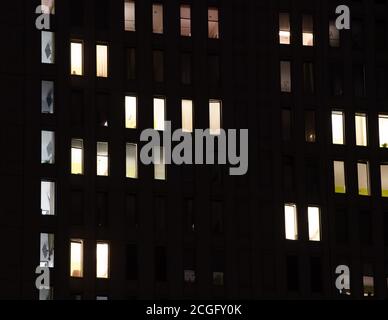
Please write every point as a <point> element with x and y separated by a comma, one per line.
<point>47,147</point>
<point>363,178</point>
<point>185,20</point>
<point>159,164</point>
<point>131,160</point>
<point>337,126</point>
<point>383,130</point>
<point>129,15</point>
<point>102,60</point>
<point>102,260</point>
<point>47,250</point>
<point>77,156</point>
<point>368,281</point>
<point>314,221</point>
<point>186,68</point>
<point>76,57</point>
<point>187,115</point>
<point>213,27</point>
<point>215,117</point>
<point>359,79</point>
<point>102,109</point>
<point>48,47</point>
<point>308,77</point>
<point>47,198</point>
<point>310,133</point>
<point>334,35</point>
<point>291,222</point>
<point>131,63</point>
<point>159,113</point>
<point>130,112</point>
<point>47,97</point>
<point>308,30</point>
<point>158,64</point>
<point>48,6</point>
<point>361,130</point>
<point>284,28</point>
<point>102,159</point>
<point>287,124</point>
<point>285,76</point>
<point>157,18</point>
<point>76,258</point>
<point>384,180</point>
<point>339,177</point>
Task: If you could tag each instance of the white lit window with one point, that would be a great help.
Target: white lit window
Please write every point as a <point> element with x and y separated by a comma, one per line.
<point>187,116</point>
<point>48,47</point>
<point>215,114</point>
<point>102,260</point>
<point>383,130</point>
<point>47,250</point>
<point>291,222</point>
<point>129,15</point>
<point>334,35</point>
<point>213,27</point>
<point>361,131</point>
<point>48,6</point>
<point>47,97</point>
<point>76,258</point>
<point>130,112</point>
<point>76,58</point>
<point>384,180</point>
<point>314,221</point>
<point>159,164</point>
<point>284,28</point>
<point>102,60</point>
<point>363,178</point>
<point>285,76</point>
<point>337,126</point>
<point>308,33</point>
<point>185,20</point>
<point>339,177</point>
<point>157,18</point>
<point>48,147</point>
<point>77,156</point>
<point>47,198</point>
<point>131,160</point>
<point>102,159</point>
<point>159,113</point>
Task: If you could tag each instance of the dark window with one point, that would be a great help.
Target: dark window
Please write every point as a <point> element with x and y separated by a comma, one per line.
<point>381,82</point>
<point>218,265</point>
<point>336,79</point>
<point>308,77</point>
<point>186,68</point>
<point>312,179</point>
<point>131,262</point>
<point>77,13</point>
<point>77,108</point>
<point>288,176</point>
<point>213,70</point>
<point>292,266</point>
<point>131,63</point>
<point>217,217</point>
<point>385,229</point>
<point>189,265</point>
<point>160,213</point>
<point>189,215</point>
<point>160,264</point>
<point>77,208</point>
<point>102,109</point>
<point>365,227</point>
<point>102,209</point>
<point>316,274</point>
<point>380,34</point>
<point>286,124</point>
<point>102,14</point>
<point>158,62</point>
<point>131,211</point>
<point>341,226</point>
<point>358,36</point>
<point>359,80</point>
<point>310,132</point>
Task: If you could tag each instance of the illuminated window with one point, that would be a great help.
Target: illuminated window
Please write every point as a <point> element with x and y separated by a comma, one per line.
<point>187,116</point>
<point>76,258</point>
<point>48,147</point>
<point>77,156</point>
<point>368,281</point>
<point>284,28</point>
<point>129,15</point>
<point>213,26</point>
<point>159,113</point>
<point>285,76</point>
<point>48,6</point>
<point>361,131</point>
<point>334,35</point>
<point>47,250</point>
<point>159,164</point>
<point>157,18</point>
<point>314,221</point>
<point>384,180</point>
<point>291,222</point>
<point>131,160</point>
<point>339,177</point>
<point>383,130</point>
<point>215,114</point>
<point>308,33</point>
<point>102,260</point>
<point>363,178</point>
<point>47,97</point>
<point>102,60</point>
<point>102,159</point>
<point>185,20</point>
<point>48,47</point>
<point>130,112</point>
<point>47,198</point>
<point>337,126</point>
<point>76,58</point>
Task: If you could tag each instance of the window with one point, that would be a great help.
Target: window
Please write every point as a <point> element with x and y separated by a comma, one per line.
<point>189,215</point>
<point>189,265</point>
<point>284,28</point>
<point>157,18</point>
<point>47,147</point>
<point>365,228</point>
<point>102,159</point>
<point>316,274</point>
<point>337,126</point>
<point>47,250</point>
<point>368,281</point>
<point>131,262</point>
<point>159,164</point>
<point>308,33</point>
<point>186,68</point>
<point>131,160</point>
<point>102,109</point>
<point>286,124</point>
<point>292,269</point>
<point>291,225</point>
<point>47,97</point>
<point>77,108</point>
<point>363,178</point>
<point>310,133</point>
<point>213,27</point>
<point>383,130</point>
<point>49,6</point>
<point>76,56</point>
<point>185,20</point>
<point>158,65</point>
<point>384,180</point>
<point>101,209</point>
<point>48,47</point>
<point>215,117</point>
<point>102,60</point>
<point>77,156</point>
<point>131,63</point>
<point>187,115</point>
<point>218,267</point>
<point>130,112</point>
<point>47,198</point>
<point>285,76</point>
<point>159,113</point>
<point>334,35</point>
<point>308,77</point>
<point>359,80</point>
<point>213,69</point>
<point>77,208</point>
<point>336,79</point>
<point>160,258</point>
<point>77,13</point>
<point>314,221</point>
<point>361,131</point>
<point>339,177</point>
<point>129,15</point>
<point>76,258</point>
<point>160,215</point>
<point>358,33</point>
<point>102,260</point>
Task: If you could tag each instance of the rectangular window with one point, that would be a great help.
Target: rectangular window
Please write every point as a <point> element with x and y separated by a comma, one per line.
<point>215,115</point>
<point>102,159</point>
<point>308,77</point>
<point>186,68</point>
<point>285,76</point>
<point>159,164</point>
<point>339,177</point>
<point>48,6</point>
<point>383,130</point>
<point>47,97</point>
<point>157,18</point>
<point>368,281</point>
<point>361,130</point>
<point>129,15</point>
<point>384,180</point>
<point>77,156</point>
<point>76,258</point>
<point>213,27</point>
<point>131,262</point>
<point>102,109</point>
<point>308,30</point>
<point>310,133</point>
<point>334,35</point>
<point>159,113</point>
<point>314,221</point>
<point>131,63</point>
<point>47,250</point>
<point>158,65</point>
<point>102,60</point>
<point>337,126</point>
<point>286,124</point>
<point>363,178</point>
<point>185,11</point>
<point>48,47</point>
<point>359,80</point>
<point>47,147</point>
<point>130,112</point>
<point>291,222</point>
<point>187,115</point>
<point>131,160</point>
<point>160,258</point>
<point>76,58</point>
<point>284,28</point>
<point>47,198</point>
<point>102,260</point>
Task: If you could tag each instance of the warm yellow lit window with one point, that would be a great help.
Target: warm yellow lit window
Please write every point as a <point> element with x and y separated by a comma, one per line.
<point>363,178</point>
<point>384,180</point>
<point>129,15</point>
<point>187,116</point>
<point>131,160</point>
<point>291,222</point>
<point>157,18</point>
<point>102,60</point>
<point>383,130</point>
<point>361,131</point>
<point>285,76</point>
<point>308,33</point>
<point>337,126</point>
<point>284,28</point>
<point>102,260</point>
<point>185,20</point>
<point>213,26</point>
<point>130,112</point>
<point>102,159</point>
<point>77,156</point>
<point>215,117</point>
<point>159,113</point>
<point>159,164</point>
<point>76,56</point>
<point>339,177</point>
<point>314,222</point>
<point>76,258</point>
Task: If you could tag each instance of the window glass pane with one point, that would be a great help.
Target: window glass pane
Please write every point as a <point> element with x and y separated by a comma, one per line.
<point>159,113</point>
<point>310,133</point>
<point>213,27</point>
<point>337,124</point>
<point>77,155</point>
<point>76,258</point>
<point>215,117</point>
<point>308,77</point>
<point>76,57</point>
<point>158,64</point>
<point>384,180</point>
<point>47,250</point>
<point>102,159</point>
<point>129,15</point>
<point>131,161</point>
<point>49,6</point>
<point>285,76</point>
<point>383,130</point>
<point>334,35</point>
<point>48,47</point>
<point>130,112</point>
<point>339,177</point>
<point>284,28</point>
<point>291,225</point>
<point>185,20</point>
<point>159,164</point>
<point>363,178</point>
<point>361,132</point>
<point>187,116</point>
<point>157,18</point>
<point>102,257</point>
<point>308,35</point>
<point>102,60</point>
<point>47,198</point>
<point>48,147</point>
<point>131,63</point>
<point>314,220</point>
<point>47,97</point>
